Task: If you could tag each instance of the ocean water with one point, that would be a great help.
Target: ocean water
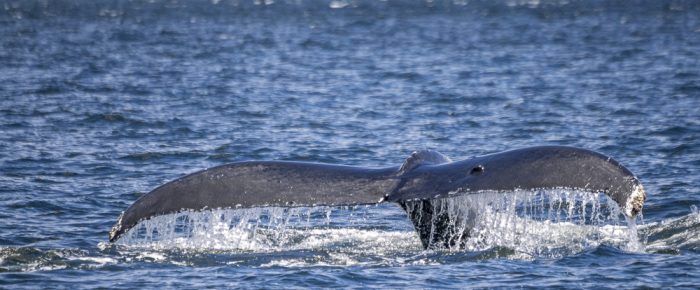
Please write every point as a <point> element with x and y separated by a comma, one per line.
<point>102,101</point>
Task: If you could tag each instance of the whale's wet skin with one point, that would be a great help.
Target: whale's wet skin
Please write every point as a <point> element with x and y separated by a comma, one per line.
<point>102,102</point>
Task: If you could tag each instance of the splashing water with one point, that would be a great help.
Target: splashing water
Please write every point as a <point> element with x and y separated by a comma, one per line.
<point>534,223</point>
<point>531,223</point>
<point>266,230</point>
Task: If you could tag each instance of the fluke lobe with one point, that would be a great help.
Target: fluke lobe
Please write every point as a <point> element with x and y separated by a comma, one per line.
<point>425,178</point>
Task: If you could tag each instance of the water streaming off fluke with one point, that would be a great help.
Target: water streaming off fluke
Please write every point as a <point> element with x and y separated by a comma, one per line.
<point>532,224</point>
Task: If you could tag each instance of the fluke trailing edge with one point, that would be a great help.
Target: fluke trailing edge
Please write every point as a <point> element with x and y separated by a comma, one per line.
<point>425,177</point>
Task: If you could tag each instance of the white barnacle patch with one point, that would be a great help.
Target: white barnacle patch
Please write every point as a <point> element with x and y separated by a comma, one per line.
<point>117,227</point>
<point>635,202</point>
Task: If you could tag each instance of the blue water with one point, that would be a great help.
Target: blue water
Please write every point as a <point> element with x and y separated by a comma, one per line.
<point>101,101</point>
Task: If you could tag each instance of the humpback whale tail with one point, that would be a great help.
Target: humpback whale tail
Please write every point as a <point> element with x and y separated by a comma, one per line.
<point>418,185</point>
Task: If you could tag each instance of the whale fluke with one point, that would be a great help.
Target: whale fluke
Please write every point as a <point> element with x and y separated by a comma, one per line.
<point>261,184</point>
<point>425,177</point>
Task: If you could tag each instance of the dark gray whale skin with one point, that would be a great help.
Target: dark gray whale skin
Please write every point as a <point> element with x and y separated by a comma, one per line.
<point>424,177</point>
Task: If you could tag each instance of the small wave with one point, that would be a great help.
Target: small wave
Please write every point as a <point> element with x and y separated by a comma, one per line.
<point>127,35</point>
<point>113,118</point>
<point>29,259</point>
<point>143,156</point>
<point>107,117</point>
<point>43,205</point>
<point>673,236</point>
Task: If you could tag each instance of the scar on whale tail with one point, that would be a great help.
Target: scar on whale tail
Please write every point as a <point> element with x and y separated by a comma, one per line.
<point>425,178</point>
